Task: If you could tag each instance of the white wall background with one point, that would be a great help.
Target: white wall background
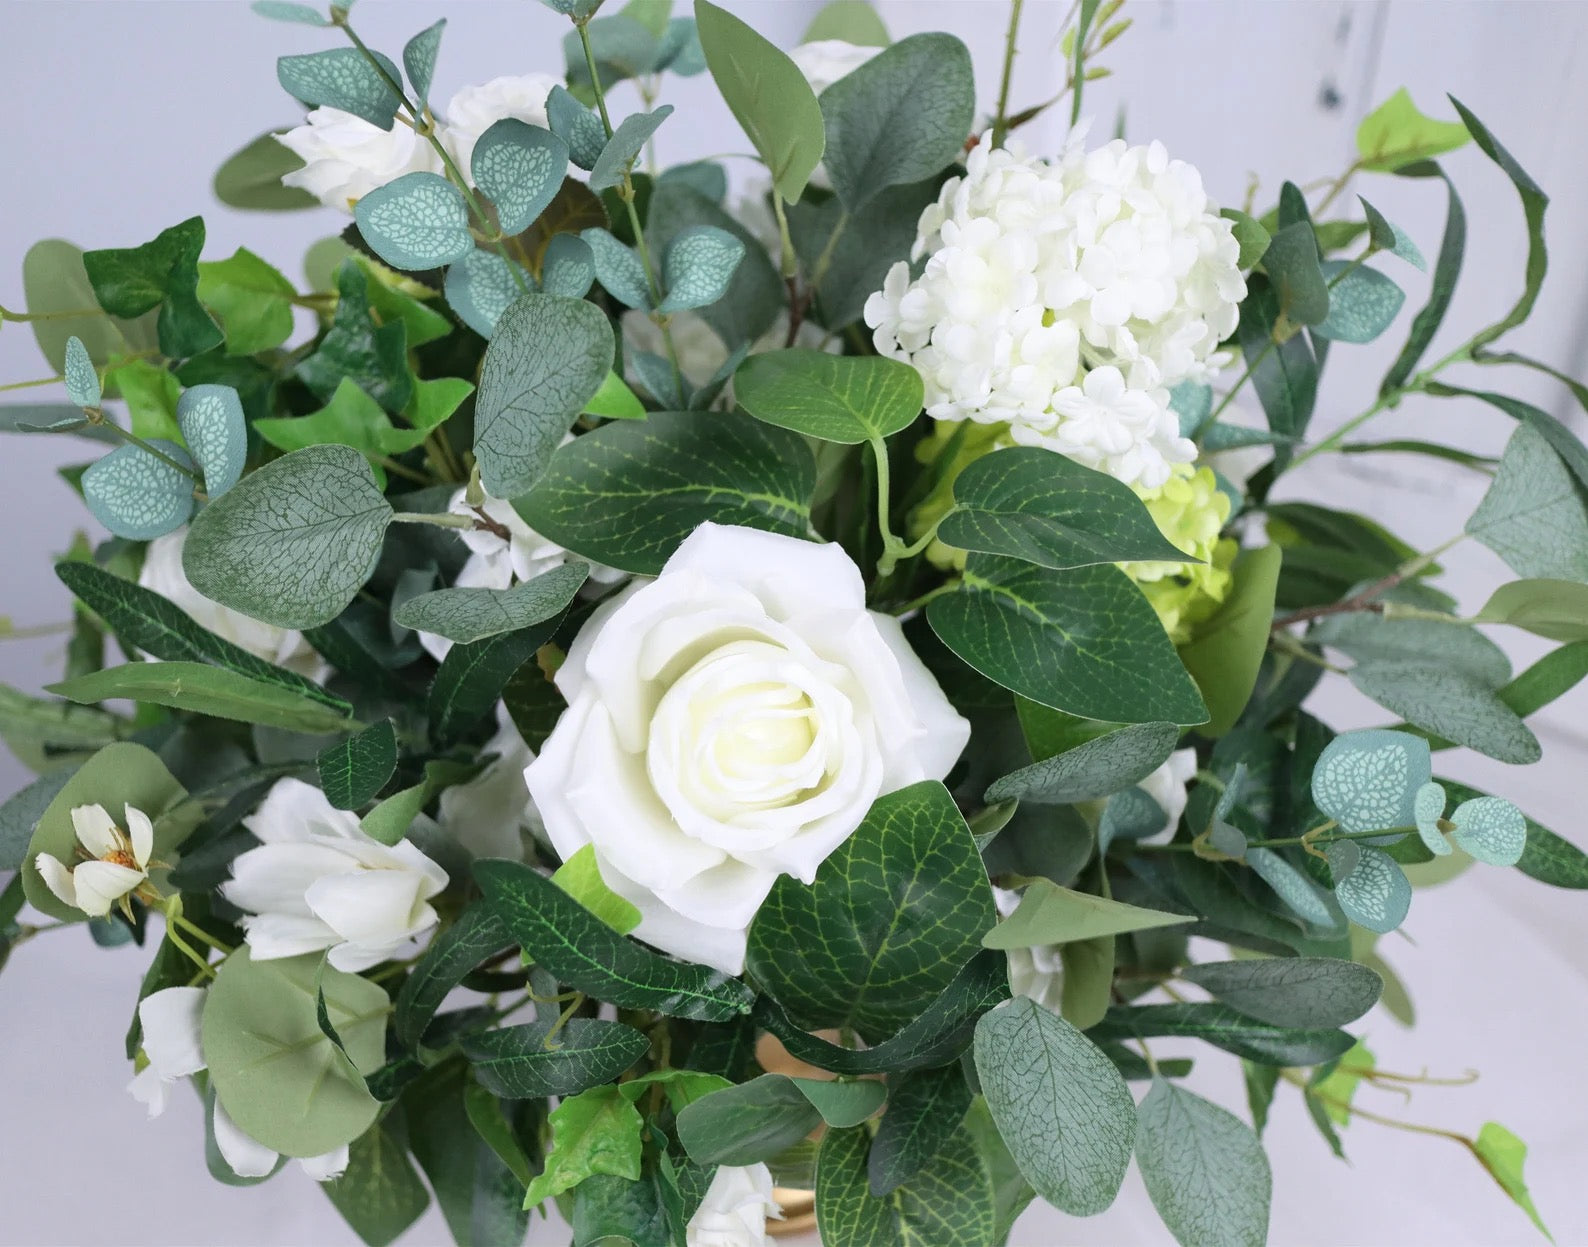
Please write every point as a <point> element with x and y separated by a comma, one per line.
<point>118,111</point>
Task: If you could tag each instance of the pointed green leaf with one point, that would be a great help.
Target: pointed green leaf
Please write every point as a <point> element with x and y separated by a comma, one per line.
<point>1447,267</point>
<point>1535,514</point>
<point>1226,653</point>
<point>621,150</point>
<point>748,1123</point>
<point>468,942</point>
<point>1451,704</point>
<point>1304,992</point>
<point>285,11</point>
<point>1250,237</point>
<point>354,770</point>
<point>950,1200</point>
<point>380,1193</point>
<point>1205,1170</point>
<point>252,299</point>
<point>472,677</point>
<point>1096,768</point>
<point>375,357</point>
<point>1290,885</point>
<point>1557,609</point>
<point>1291,262</point>
<point>1223,1028</point>
<point>419,59</point>
<point>203,689</point>
<point>1503,1155</point>
<point>853,21</point>
<point>846,399</point>
<point>1396,134</point>
<point>162,273</point>
<point>251,178</point>
<point>925,1109</point>
<point>1387,236</point>
<point>1049,914</point>
<point>465,615</point>
<point>1362,303</point>
<point>596,1131</point>
<point>530,1063</point>
<point>580,877</point>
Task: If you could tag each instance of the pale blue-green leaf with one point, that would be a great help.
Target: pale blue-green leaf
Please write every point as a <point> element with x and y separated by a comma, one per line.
<point>417,222</point>
<point>1129,815</point>
<point>1300,992</point>
<point>1204,1168</point>
<point>548,358</point>
<point>697,267</point>
<point>1491,829</point>
<point>1453,705</point>
<point>211,420</point>
<point>285,11</point>
<point>576,126</point>
<point>82,378</point>
<point>481,286</point>
<point>1362,303</point>
<point>1387,236</point>
<point>137,496</point>
<point>1192,404</point>
<point>618,269</point>
<point>419,58</point>
<point>520,168</point>
<point>679,48</point>
<point>625,146</point>
<point>1371,887</point>
<point>579,10</point>
<point>1534,515</point>
<point>569,267</point>
<point>1290,885</point>
<point>342,78</point>
<point>1429,811</point>
<point>704,177</point>
<point>1372,639</point>
<point>1368,781</point>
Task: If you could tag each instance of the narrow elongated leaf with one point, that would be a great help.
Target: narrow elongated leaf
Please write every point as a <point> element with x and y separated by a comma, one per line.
<point>925,1110</point>
<point>1224,1028</point>
<point>472,677</point>
<point>529,1063</point>
<point>1226,654</point>
<point>1096,768</point>
<point>1557,609</point>
<point>1205,1170</point>
<point>846,399</point>
<point>203,689</point>
<point>579,949</point>
<point>475,936</point>
<point>1049,914</point>
<point>1285,375</point>
<point>1451,704</point>
<point>466,615</point>
<point>1059,1103</point>
<point>354,770</point>
<point>1447,268</point>
<point>950,1200</point>
<point>624,147</point>
<point>1301,992</point>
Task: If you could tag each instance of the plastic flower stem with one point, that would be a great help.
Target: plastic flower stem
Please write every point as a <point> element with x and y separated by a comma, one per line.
<point>195,930</point>
<point>403,470</point>
<point>1394,1123</point>
<point>1001,118</point>
<point>441,519</point>
<point>1367,599</point>
<point>916,604</point>
<point>1077,72</point>
<point>70,314</point>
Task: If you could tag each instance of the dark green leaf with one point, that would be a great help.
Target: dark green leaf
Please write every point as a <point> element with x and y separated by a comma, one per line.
<point>162,273</point>
<point>459,949</point>
<point>530,1063</point>
<point>925,1109</point>
<point>1447,267</point>
<point>870,242</point>
<point>203,689</point>
<point>468,615</point>
<point>374,357</point>
<point>1224,1028</point>
<point>1291,991</point>
<point>472,677</point>
<point>379,1194</point>
<point>949,1200</point>
<point>354,770</point>
<point>1285,375</point>
<point>756,294</point>
<point>1291,262</point>
<point>747,1123</point>
<point>1097,768</point>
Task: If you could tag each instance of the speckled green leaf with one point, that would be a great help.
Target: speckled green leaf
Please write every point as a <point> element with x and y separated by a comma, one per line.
<point>1371,887</point>
<point>354,770</point>
<point>756,296</point>
<point>626,494</point>
<point>578,949</point>
<point>137,496</point>
<point>618,268</point>
<point>480,287</point>
<point>1387,236</point>
<point>1292,264</point>
<point>203,689</point>
<point>1362,303</point>
<point>416,222</point>
<point>949,1200</point>
<point>569,267</point>
<point>1083,641</point>
<point>283,11</point>
<point>529,1063</point>
<point>698,267</point>
<point>82,378</point>
<point>520,168</point>
<point>465,615</point>
<point>1428,811</point>
<point>1368,781</point>
<point>623,148</point>
<point>1451,704</point>
<point>419,59</point>
<point>549,356</point>
<point>293,542</point>
<point>1305,992</point>
<point>1491,829</point>
<point>892,915</point>
<point>1223,1028</point>
<point>1372,639</point>
<point>925,1109</point>
<point>1096,768</point>
<point>577,126</point>
<point>476,935</point>
<point>1204,1168</point>
<point>846,399</point>
<point>211,420</point>
<point>901,117</point>
<point>342,78</point>
<point>1534,515</point>
<point>1059,1104</point>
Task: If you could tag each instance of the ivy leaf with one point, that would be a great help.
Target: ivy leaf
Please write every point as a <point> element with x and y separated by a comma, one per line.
<point>1535,514</point>
<point>845,399</point>
<point>618,268</point>
<point>620,151</point>
<point>520,168</point>
<point>475,936</point>
<point>416,222</point>
<point>419,59</point>
<point>252,299</point>
<point>374,357</point>
<point>1084,640</point>
<point>1059,1104</point>
<point>1049,914</point>
<point>342,78</point>
<point>1503,1154</point>
<point>211,420</point>
<point>163,273</point>
<point>1226,652</point>
<point>354,770</point>
<point>698,267</point>
<point>1491,829</point>
<point>1057,513</point>
<point>1362,303</point>
<point>466,615</point>
<point>925,1109</point>
<point>292,542</point>
<point>1093,769</point>
<point>579,949</point>
<point>1368,781</point>
<point>137,496</point>
<point>950,1200</point>
<point>596,1131</point>
<point>1223,1028</point>
<point>569,267</point>
<point>548,358</point>
<point>891,916</point>
<point>1396,134</point>
<point>1205,1170</point>
<point>767,95</point>
<point>901,117</point>
<point>481,286</point>
<point>529,1063</point>
<point>626,494</point>
<point>1371,887</point>
<point>1302,992</point>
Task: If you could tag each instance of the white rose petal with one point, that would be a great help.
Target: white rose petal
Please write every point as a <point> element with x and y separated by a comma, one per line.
<point>345,157</point>
<point>250,1158</point>
<point>1167,786</point>
<point>735,1209</point>
<point>172,1041</point>
<point>730,721</point>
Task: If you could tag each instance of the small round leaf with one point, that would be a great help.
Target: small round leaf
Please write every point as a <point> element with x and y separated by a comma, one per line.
<point>480,286</point>
<point>415,223</point>
<point>1371,888</point>
<point>82,378</point>
<point>1429,810</point>
<point>1491,829</point>
<point>1368,781</point>
<point>699,263</point>
<point>138,496</point>
<point>211,420</point>
<point>520,168</point>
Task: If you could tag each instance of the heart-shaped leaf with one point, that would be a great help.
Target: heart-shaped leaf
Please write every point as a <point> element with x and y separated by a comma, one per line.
<point>520,168</point>
<point>211,420</point>
<point>698,266</point>
<point>1368,781</point>
<point>1371,887</point>
<point>1491,829</point>
<point>416,222</point>
<point>481,286</point>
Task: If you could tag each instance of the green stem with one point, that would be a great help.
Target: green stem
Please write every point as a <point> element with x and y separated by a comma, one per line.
<point>132,439</point>
<point>1001,118</point>
<point>1384,402</point>
<point>194,929</point>
<point>441,519</point>
<point>915,604</point>
<point>1283,842</point>
<point>28,385</point>
<point>75,314</point>
<point>403,470</point>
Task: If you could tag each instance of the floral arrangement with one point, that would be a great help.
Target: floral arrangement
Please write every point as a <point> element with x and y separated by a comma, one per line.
<point>659,700</point>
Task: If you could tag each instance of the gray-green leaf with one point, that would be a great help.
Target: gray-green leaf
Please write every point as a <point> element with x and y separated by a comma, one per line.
<point>1362,303</point>
<point>624,147</point>
<point>1291,991</point>
<point>576,126</point>
<point>698,266</point>
<point>1371,887</point>
<point>82,378</point>
<point>137,496</point>
<point>211,420</point>
<point>618,268</point>
<point>416,222</point>
<point>1096,768</point>
<point>1205,1170</point>
<point>481,285</point>
<point>520,169</point>
<point>470,614</point>
<point>419,59</point>
<point>1535,516</point>
<point>342,78</point>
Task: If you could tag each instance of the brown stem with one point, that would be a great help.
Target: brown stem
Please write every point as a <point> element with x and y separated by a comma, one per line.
<point>495,527</point>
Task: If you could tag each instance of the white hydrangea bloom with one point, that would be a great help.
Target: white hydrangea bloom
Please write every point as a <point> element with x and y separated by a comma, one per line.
<point>1065,297</point>
<point>345,157</point>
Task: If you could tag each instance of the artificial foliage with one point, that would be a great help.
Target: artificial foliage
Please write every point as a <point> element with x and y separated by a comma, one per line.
<point>651,684</point>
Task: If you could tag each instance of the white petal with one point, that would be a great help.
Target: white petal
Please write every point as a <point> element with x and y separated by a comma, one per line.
<point>141,832</point>
<point>293,810</point>
<point>273,878</point>
<point>172,1030</point>
<point>57,878</point>
<point>101,884</point>
<point>150,1090</point>
<point>248,1157</point>
<point>372,906</point>
<point>789,575</point>
<point>271,936</point>
<point>95,829</point>
<point>324,1168</point>
<point>947,731</point>
<point>734,1210</point>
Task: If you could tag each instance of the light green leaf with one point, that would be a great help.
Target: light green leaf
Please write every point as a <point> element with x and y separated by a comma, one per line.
<point>1059,1103</point>
<point>1503,1155</point>
<point>1396,134</point>
<point>530,1063</point>
<point>767,95</point>
<point>569,267</point>
<point>1557,609</point>
<point>891,916</point>
<point>597,1131</point>
<point>1368,781</point>
<point>293,542</point>
<point>419,59</point>
<point>380,1193</point>
<point>1084,640</point>
<point>137,496</point>
<point>1096,768</point>
<point>624,147</point>
<point>901,117</point>
<point>465,615</point>
<point>252,300</point>
<point>1491,829</point>
<point>1291,262</point>
<point>1370,886</point>
<point>1362,303</point>
<point>151,394</point>
<point>548,358</point>
<point>211,420</point>
<point>1250,237</point>
<point>698,266</point>
<point>82,378</point>
<point>950,1200</point>
<point>615,401</point>
<point>480,287</point>
<point>204,689</point>
<point>342,78</point>
<point>580,877</point>
<point>626,494</point>
<point>1302,992</point>
<point>354,770</point>
<point>251,178</point>
<point>846,399</point>
<point>1226,653</point>
<point>1049,914</point>
<point>54,282</point>
<point>1451,704</point>
<point>853,21</point>
<point>416,222</point>
<point>520,168</point>
<point>748,1123</point>
<point>1205,1170</point>
<point>276,1074</point>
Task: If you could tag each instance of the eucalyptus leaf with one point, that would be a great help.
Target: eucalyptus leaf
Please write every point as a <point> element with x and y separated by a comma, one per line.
<point>419,59</point>
<point>569,267</point>
<point>1535,514</point>
<point>211,420</point>
<point>577,126</point>
<point>82,378</point>
<point>1291,262</point>
<point>343,78</point>
<point>748,1123</point>
<point>698,266</point>
<point>416,222</point>
<point>1096,768</point>
<point>1204,1169</point>
<point>1491,829</point>
<point>138,496</point>
<point>1371,888</point>
<point>520,168</point>
<point>466,615</point>
<point>1451,704</point>
<point>1362,302</point>
<point>481,285</point>
<point>618,268</point>
<point>1302,992</point>
<point>1368,781</point>
<point>624,147</point>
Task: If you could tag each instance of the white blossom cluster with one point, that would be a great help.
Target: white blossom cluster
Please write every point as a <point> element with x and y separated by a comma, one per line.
<point>1064,298</point>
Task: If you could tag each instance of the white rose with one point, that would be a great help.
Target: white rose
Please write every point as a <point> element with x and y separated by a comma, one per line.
<point>345,157</point>
<point>1167,786</point>
<point>317,881</point>
<point>162,572</point>
<point>825,61</point>
<point>731,721</point>
<point>735,1209</point>
<point>474,110</point>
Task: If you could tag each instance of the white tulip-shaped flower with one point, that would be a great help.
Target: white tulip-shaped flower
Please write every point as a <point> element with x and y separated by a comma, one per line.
<point>345,157</point>
<point>317,881</point>
<point>117,865</point>
<point>173,1043</point>
<point>731,721</point>
<point>734,1210</point>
